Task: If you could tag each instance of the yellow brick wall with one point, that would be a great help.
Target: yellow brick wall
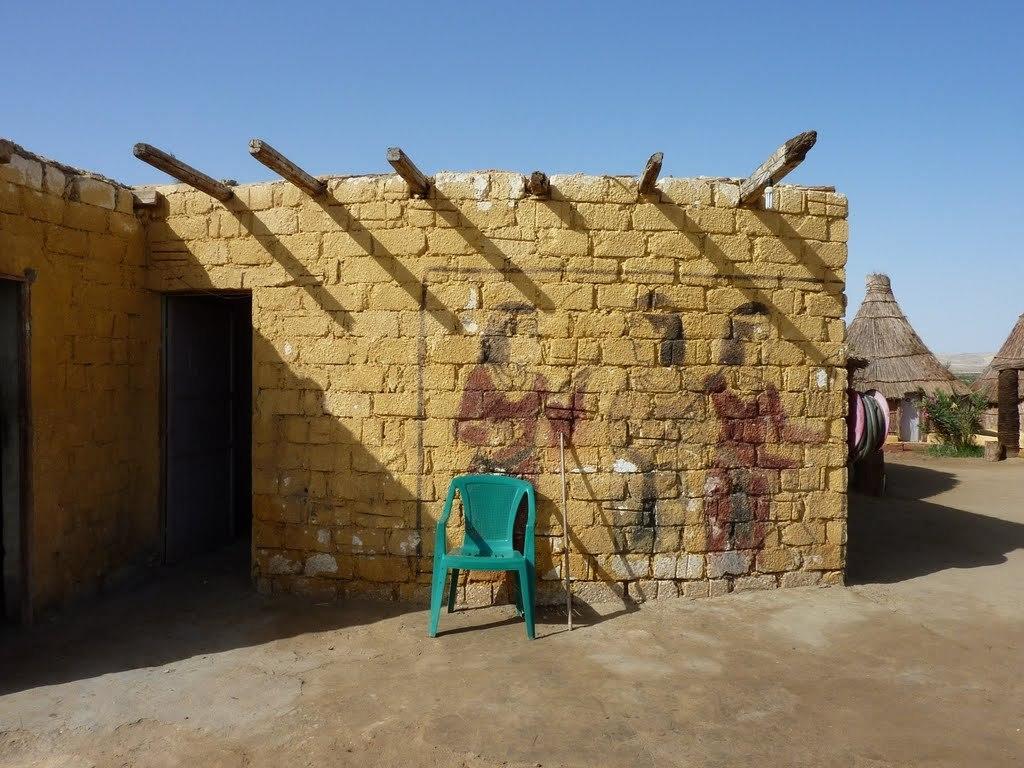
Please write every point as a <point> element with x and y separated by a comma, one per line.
<point>94,356</point>
<point>692,353</point>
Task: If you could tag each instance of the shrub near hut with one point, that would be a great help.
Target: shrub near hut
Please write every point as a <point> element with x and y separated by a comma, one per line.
<point>955,419</point>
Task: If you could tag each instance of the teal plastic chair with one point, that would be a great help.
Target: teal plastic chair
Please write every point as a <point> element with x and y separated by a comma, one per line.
<point>489,505</point>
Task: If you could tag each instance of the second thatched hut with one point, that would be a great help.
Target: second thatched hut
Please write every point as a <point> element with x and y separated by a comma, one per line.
<point>899,364</point>
<point>1011,354</point>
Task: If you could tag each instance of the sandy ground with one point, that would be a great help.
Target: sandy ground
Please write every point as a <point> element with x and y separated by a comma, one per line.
<point>920,663</point>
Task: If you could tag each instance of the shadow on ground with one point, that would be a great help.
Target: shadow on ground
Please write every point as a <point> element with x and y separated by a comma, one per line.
<point>204,607</point>
<point>903,536</point>
<point>583,615</point>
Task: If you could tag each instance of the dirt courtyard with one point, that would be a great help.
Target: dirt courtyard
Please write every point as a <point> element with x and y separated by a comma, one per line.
<point>920,663</point>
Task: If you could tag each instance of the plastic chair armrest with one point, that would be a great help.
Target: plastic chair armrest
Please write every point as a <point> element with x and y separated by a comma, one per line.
<point>529,543</point>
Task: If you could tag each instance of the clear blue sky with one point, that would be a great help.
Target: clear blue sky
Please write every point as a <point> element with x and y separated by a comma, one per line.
<point>919,107</point>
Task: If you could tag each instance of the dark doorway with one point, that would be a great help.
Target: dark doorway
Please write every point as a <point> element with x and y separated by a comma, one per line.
<point>12,409</point>
<point>207,422</point>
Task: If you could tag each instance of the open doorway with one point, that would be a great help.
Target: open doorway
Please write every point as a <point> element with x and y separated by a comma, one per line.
<point>13,490</point>
<point>207,422</point>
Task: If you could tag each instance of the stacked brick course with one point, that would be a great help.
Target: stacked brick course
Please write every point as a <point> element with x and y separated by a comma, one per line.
<point>690,351</point>
<point>94,357</point>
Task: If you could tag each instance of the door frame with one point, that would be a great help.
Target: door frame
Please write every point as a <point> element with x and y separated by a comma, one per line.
<point>25,499</point>
<point>164,452</point>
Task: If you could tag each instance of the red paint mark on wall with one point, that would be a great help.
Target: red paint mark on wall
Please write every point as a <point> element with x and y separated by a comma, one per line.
<point>746,472</point>
<point>507,411</point>
<point>507,425</point>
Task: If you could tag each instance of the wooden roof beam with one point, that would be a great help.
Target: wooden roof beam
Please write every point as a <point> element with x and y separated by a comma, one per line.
<point>776,167</point>
<point>538,184</point>
<point>285,168</point>
<point>184,173</point>
<point>650,175</point>
<point>418,182</point>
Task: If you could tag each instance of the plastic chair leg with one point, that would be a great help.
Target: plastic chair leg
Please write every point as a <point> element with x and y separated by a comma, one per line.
<point>436,595</point>
<point>517,594</point>
<point>525,572</point>
<point>453,589</point>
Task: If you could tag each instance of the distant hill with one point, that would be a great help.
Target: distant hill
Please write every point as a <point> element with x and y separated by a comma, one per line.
<point>966,363</point>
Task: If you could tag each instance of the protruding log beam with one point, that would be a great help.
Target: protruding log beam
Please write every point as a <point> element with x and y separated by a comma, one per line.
<point>776,167</point>
<point>538,184</point>
<point>418,183</point>
<point>650,175</point>
<point>284,167</point>
<point>184,173</point>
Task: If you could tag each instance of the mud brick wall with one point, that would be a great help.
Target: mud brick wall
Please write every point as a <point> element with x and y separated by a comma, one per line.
<point>691,352</point>
<point>94,358</point>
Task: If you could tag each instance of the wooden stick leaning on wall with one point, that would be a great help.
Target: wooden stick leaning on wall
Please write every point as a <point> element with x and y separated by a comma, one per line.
<point>183,172</point>
<point>565,531</point>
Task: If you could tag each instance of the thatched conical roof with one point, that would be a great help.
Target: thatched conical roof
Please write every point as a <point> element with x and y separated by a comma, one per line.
<point>1010,354</point>
<point>899,363</point>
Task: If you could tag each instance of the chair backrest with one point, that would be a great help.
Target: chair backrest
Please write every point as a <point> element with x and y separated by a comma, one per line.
<point>489,506</point>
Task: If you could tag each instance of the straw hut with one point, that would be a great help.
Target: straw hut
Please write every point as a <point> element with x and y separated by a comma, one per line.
<point>1010,354</point>
<point>900,366</point>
